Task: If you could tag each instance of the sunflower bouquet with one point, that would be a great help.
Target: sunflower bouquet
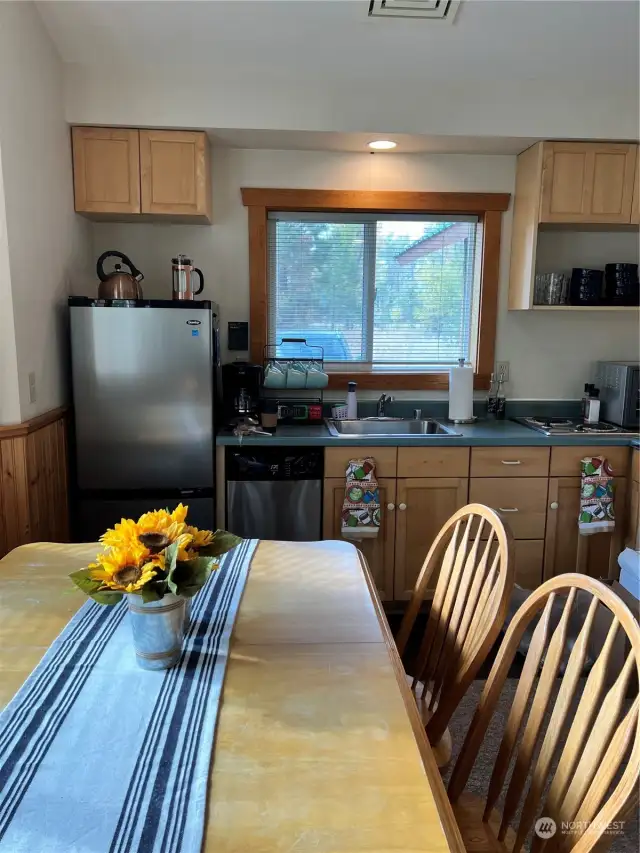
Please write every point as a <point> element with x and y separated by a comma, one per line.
<point>153,556</point>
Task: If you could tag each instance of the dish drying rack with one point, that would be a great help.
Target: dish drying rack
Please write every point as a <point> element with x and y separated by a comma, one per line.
<point>290,394</point>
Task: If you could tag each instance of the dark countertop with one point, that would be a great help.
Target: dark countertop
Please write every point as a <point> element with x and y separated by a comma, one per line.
<point>480,434</point>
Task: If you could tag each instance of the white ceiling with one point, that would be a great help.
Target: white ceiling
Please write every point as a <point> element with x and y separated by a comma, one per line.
<point>302,140</point>
<point>594,42</point>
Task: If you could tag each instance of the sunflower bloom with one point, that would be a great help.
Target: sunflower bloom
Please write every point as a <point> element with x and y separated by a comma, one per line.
<point>201,538</point>
<point>125,569</point>
<point>122,535</point>
<point>184,547</point>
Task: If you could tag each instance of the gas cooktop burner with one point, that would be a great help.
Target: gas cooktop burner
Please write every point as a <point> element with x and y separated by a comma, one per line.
<point>568,426</point>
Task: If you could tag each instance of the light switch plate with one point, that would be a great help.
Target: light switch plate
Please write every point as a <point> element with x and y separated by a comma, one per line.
<point>32,387</point>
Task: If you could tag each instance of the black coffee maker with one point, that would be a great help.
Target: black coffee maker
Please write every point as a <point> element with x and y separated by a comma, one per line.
<point>241,383</point>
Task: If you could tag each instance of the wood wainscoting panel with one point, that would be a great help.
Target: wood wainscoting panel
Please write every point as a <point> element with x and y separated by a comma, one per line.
<point>33,484</point>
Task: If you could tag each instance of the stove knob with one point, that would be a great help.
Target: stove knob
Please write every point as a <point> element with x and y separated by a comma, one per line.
<point>554,505</point>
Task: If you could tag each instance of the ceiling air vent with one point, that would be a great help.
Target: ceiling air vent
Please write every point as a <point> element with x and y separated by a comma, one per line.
<point>436,10</point>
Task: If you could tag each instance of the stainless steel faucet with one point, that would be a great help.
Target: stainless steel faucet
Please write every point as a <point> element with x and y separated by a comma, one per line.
<point>382,402</point>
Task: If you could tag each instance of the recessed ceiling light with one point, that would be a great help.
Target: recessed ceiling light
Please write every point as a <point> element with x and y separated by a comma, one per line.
<point>382,144</point>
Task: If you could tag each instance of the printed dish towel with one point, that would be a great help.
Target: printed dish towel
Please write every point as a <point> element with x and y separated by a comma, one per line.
<point>596,496</point>
<point>361,507</point>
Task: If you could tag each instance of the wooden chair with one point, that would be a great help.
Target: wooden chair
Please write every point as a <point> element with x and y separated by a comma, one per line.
<point>588,742</point>
<point>467,612</point>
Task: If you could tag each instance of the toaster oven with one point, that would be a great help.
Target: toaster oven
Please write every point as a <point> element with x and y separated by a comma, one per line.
<point>619,384</point>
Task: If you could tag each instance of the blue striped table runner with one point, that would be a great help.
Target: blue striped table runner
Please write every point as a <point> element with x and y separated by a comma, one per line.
<point>100,756</point>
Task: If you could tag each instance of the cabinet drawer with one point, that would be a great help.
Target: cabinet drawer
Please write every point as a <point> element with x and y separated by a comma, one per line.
<point>522,504</point>
<point>336,459</point>
<point>509,461</point>
<point>565,461</point>
<point>433,462</point>
<point>528,557</point>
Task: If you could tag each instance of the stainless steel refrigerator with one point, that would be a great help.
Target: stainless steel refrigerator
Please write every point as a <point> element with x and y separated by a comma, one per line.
<point>145,383</point>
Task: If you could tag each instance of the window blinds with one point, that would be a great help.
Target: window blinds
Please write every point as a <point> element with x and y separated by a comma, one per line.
<point>373,289</point>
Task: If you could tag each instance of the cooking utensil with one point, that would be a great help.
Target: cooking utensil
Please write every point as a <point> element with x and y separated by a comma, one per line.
<point>182,273</point>
<point>118,284</point>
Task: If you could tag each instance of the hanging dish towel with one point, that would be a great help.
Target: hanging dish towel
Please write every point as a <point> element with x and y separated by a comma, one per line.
<point>361,507</point>
<point>596,496</point>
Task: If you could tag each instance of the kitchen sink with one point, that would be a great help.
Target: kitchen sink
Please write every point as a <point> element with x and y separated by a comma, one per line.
<point>387,426</point>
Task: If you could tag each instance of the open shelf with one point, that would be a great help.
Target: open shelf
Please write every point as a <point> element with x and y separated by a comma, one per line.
<point>585,307</point>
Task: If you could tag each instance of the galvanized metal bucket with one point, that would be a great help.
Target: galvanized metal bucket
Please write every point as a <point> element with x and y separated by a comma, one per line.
<point>158,630</point>
<point>187,613</point>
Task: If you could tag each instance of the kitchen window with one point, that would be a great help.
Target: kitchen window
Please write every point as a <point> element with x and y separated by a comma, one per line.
<point>394,286</point>
<point>375,291</point>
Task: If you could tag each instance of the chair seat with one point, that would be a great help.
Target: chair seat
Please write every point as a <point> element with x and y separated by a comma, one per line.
<point>443,749</point>
<point>479,836</point>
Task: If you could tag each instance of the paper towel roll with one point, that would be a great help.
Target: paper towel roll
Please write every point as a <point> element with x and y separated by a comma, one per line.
<point>461,392</point>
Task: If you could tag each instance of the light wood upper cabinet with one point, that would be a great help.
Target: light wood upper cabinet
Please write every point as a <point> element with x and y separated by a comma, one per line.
<point>379,551</point>
<point>422,507</point>
<point>563,184</point>
<point>175,173</point>
<point>635,205</point>
<point>587,182</point>
<point>106,170</point>
<point>119,174</point>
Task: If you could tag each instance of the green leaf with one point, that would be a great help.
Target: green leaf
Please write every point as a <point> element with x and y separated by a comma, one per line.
<point>191,575</point>
<point>152,592</point>
<point>170,563</point>
<point>222,542</point>
<point>85,582</point>
<point>107,596</point>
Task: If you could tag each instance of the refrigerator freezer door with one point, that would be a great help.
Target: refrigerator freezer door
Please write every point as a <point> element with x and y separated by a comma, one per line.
<point>142,386</point>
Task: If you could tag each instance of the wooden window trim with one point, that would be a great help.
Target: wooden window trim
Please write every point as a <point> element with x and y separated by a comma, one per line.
<point>487,206</point>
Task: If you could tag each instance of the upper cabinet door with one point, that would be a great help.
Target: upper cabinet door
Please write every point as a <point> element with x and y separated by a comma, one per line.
<point>587,182</point>
<point>175,174</point>
<point>635,207</point>
<point>106,170</point>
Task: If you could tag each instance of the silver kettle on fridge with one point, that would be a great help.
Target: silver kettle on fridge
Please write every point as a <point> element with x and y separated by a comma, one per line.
<point>183,273</point>
<point>118,284</point>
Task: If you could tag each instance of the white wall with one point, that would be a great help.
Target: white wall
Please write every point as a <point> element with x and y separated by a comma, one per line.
<point>9,395</point>
<point>549,354</point>
<point>184,97</point>
<point>48,243</point>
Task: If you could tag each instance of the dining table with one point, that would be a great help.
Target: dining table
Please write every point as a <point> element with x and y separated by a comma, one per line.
<point>319,747</point>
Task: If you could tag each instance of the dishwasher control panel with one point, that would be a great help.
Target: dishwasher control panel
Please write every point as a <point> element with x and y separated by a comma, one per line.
<point>274,463</point>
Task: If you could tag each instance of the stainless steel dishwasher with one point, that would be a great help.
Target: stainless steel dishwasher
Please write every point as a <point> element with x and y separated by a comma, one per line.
<point>275,493</point>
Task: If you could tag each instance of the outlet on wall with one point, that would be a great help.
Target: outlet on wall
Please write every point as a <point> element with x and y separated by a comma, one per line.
<point>32,387</point>
<point>502,370</point>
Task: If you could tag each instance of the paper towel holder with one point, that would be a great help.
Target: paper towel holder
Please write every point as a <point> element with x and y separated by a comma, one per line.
<point>473,418</point>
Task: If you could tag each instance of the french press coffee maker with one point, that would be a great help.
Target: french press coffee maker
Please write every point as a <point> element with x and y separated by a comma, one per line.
<point>183,273</point>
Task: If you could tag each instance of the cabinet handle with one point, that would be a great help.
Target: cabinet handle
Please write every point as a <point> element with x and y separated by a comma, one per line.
<point>391,507</point>
<point>402,507</point>
<point>508,509</point>
<point>511,462</point>
<point>554,505</point>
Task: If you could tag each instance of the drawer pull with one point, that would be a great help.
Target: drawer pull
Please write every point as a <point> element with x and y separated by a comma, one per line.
<point>554,504</point>
<point>402,507</point>
<point>511,462</point>
<point>391,507</point>
<point>508,509</point>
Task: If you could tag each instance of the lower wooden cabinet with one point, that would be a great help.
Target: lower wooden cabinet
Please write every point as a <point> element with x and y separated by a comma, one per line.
<point>423,507</point>
<point>633,533</point>
<point>527,557</point>
<point>565,550</point>
<point>541,511</point>
<point>379,552</point>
